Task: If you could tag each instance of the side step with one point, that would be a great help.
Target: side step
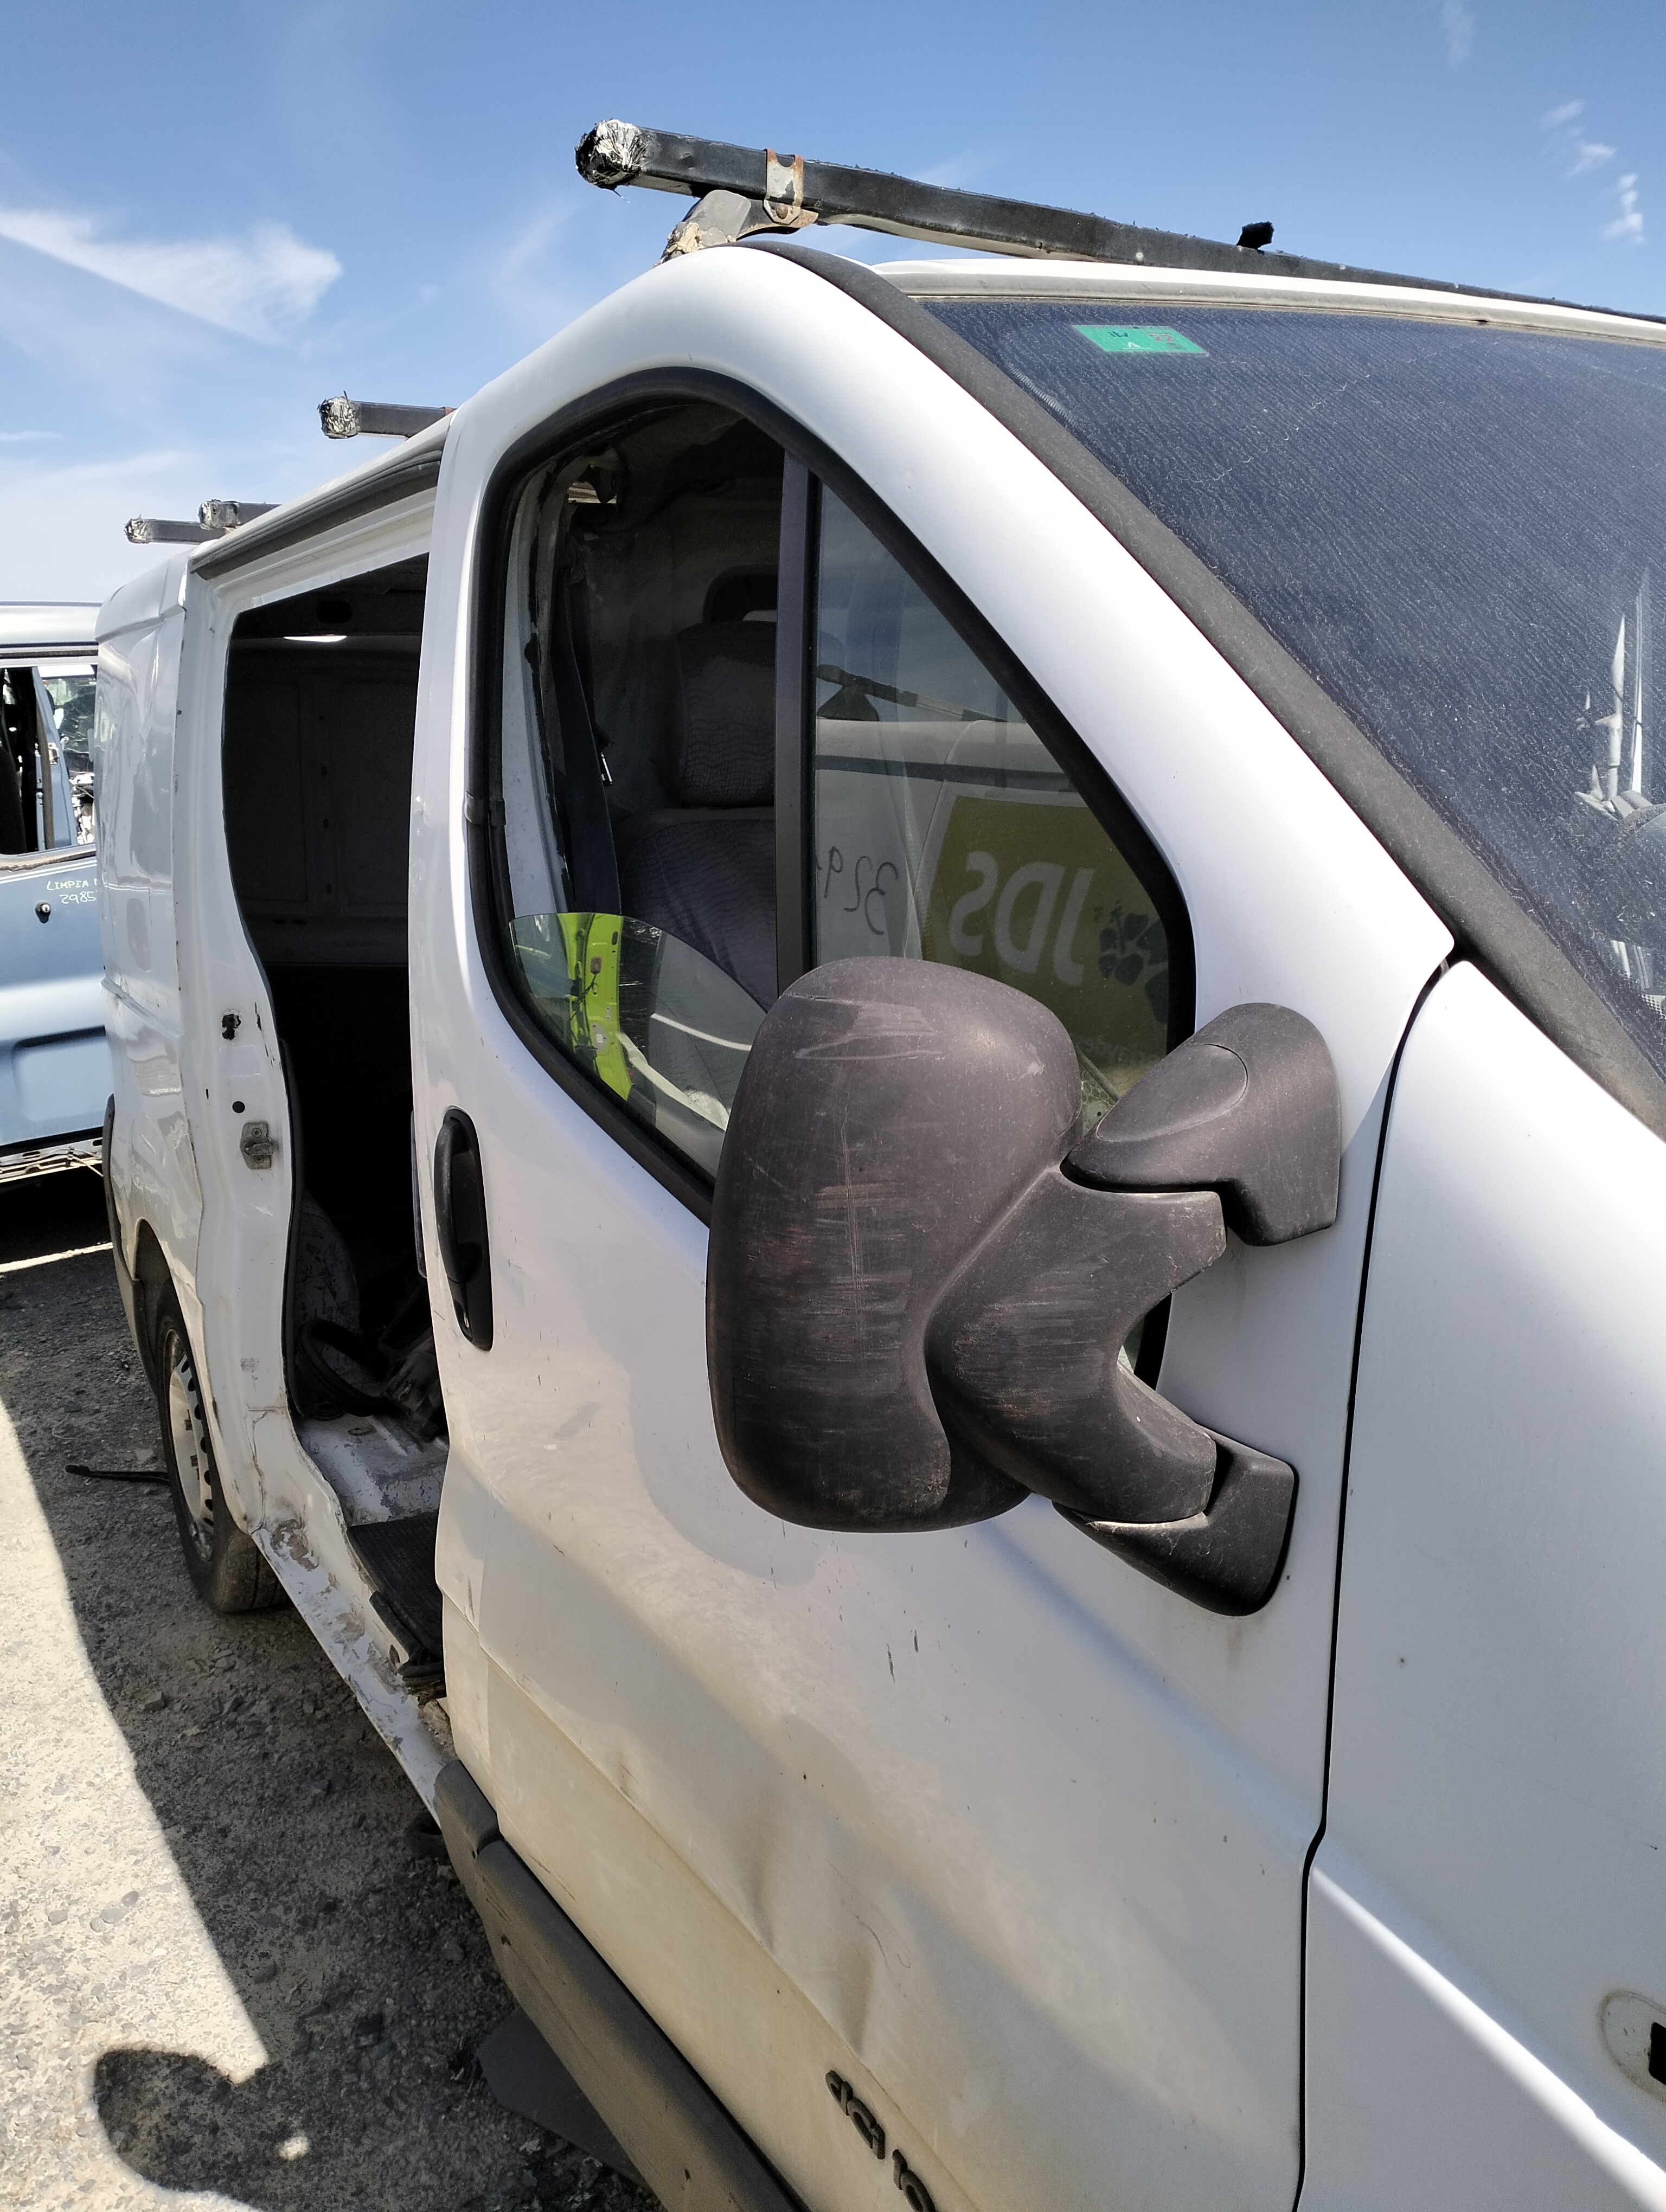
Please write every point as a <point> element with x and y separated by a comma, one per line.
<point>399,1557</point>
<point>685,2146</point>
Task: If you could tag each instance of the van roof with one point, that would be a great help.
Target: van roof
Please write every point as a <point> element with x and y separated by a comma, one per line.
<point>410,466</point>
<point>415,461</point>
<point>47,626</point>
<point>413,464</point>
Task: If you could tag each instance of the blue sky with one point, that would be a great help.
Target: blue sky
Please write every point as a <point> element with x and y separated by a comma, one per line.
<point>211,216</point>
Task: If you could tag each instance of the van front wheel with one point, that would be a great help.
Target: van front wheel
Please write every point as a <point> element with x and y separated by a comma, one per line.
<point>226,1567</point>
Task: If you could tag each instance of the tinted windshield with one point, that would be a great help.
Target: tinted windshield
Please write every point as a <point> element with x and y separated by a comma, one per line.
<point>1459,530</point>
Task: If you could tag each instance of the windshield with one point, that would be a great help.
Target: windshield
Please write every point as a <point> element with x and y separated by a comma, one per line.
<point>1459,530</point>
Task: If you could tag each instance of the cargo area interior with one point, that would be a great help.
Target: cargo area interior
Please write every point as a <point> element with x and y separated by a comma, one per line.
<point>319,726</point>
<point>650,566</point>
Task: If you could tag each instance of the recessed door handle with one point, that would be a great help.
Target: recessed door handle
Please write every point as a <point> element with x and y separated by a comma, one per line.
<point>460,1210</point>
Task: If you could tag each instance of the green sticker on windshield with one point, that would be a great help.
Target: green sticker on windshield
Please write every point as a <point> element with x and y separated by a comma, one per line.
<point>1136,338</point>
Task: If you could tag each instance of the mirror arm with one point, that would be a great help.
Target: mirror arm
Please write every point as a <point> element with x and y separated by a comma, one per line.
<point>1022,1349</point>
<point>1228,1558</point>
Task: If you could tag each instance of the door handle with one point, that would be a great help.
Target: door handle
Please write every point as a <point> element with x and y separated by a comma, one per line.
<point>459,1215</point>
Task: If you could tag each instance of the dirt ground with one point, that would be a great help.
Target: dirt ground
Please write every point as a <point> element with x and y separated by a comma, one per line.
<point>229,1962</point>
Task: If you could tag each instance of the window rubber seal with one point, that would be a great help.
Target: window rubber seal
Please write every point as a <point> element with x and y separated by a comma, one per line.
<point>614,405</point>
<point>1491,926</point>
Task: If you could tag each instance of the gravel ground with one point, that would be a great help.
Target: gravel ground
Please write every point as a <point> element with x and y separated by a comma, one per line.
<point>230,1961</point>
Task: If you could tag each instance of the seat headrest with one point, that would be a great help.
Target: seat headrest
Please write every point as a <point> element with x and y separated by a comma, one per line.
<point>726,743</point>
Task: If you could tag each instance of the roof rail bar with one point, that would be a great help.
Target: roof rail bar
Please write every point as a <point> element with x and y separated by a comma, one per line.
<point>151,529</point>
<point>214,517</point>
<point>745,189</point>
<point>343,417</point>
<point>227,513</point>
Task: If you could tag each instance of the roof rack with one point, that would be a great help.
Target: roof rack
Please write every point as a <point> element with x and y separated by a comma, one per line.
<point>227,513</point>
<point>214,517</point>
<point>153,530</point>
<point>745,189</point>
<point>343,417</point>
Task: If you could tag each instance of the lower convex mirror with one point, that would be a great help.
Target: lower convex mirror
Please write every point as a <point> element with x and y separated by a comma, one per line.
<point>914,1314</point>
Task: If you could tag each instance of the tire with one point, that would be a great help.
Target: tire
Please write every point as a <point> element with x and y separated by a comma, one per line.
<point>225,1565</point>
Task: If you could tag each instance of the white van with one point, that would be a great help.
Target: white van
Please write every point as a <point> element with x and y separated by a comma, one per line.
<point>890,1090</point>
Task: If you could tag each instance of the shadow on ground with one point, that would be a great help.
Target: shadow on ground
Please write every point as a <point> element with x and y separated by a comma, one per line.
<point>348,1941</point>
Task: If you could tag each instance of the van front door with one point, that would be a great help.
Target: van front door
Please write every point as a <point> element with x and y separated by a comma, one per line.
<point>54,1062</point>
<point>975,1851</point>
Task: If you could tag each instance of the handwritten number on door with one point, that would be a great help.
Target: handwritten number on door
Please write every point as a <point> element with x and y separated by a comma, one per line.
<point>862,897</point>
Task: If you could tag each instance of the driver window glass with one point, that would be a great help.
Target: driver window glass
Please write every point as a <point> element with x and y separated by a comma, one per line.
<point>944,830</point>
<point>638,762</point>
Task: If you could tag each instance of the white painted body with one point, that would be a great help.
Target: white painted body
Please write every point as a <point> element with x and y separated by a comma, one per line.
<point>1491,1871</point>
<point>152,1163</point>
<point>177,958</point>
<point>1012,1837</point>
<point>685,1715</point>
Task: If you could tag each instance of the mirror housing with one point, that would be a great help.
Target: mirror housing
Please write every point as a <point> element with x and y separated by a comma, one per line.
<point>889,1114</point>
<point>921,1275</point>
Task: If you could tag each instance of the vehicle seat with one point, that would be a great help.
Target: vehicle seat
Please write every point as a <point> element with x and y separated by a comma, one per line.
<point>704,870</point>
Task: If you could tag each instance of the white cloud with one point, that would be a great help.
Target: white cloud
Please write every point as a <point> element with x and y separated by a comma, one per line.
<point>1457,27</point>
<point>959,170</point>
<point>255,286</point>
<point>61,534</point>
<point>62,537</point>
<point>1628,223</point>
<point>532,278</point>
<point>1580,156</point>
<point>1587,155</point>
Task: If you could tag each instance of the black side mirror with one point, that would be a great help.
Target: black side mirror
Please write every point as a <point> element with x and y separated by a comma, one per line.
<point>920,1282</point>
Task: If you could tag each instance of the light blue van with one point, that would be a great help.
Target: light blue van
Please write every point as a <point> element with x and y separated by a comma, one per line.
<point>54,1062</point>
